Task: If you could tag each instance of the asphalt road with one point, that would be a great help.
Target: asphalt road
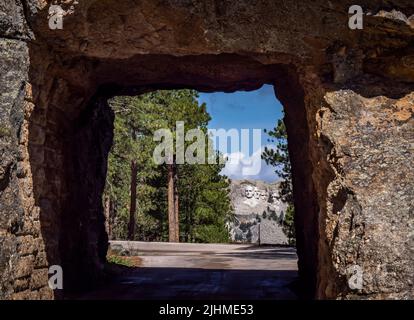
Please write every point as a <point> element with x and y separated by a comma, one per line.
<point>202,271</point>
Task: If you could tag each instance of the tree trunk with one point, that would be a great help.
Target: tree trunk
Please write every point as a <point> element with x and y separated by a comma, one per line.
<point>133,201</point>
<point>176,207</point>
<point>171,204</point>
<point>187,220</point>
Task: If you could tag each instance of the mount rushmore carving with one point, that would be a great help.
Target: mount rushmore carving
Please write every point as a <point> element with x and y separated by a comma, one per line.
<point>259,214</point>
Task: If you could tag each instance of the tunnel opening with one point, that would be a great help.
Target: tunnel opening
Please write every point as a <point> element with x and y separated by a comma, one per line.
<point>236,126</point>
<point>229,202</point>
<point>71,133</point>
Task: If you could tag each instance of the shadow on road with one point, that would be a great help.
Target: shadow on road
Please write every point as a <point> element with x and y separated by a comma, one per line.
<point>196,283</point>
<point>261,254</point>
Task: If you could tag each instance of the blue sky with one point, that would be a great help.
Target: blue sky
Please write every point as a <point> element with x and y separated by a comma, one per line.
<point>257,109</point>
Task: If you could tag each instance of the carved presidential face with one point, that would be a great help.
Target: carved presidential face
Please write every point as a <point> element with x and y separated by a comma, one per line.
<point>263,195</point>
<point>274,197</point>
<point>248,192</point>
<point>256,193</point>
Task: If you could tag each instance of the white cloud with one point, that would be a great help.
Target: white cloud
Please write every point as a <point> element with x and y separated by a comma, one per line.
<point>240,166</point>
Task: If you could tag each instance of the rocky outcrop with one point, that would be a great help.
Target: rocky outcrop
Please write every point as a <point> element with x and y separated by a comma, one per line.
<point>348,96</point>
<point>369,219</point>
<point>23,259</point>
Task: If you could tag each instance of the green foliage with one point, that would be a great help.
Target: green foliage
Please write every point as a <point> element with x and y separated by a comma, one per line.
<point>279,158</point>
<point>132,142</point>
<point>289,224</point>
<point>204,204</point>
<point>119,260</point>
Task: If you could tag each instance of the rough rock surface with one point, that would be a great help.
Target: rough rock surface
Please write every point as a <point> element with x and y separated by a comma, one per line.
<point>258,213</point>
<point>348,96</point>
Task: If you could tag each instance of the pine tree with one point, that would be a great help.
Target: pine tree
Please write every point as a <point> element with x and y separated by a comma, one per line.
<point>279,158</point>
<point>207,207</point>
<point>180,105</point>
<point>129,164</point>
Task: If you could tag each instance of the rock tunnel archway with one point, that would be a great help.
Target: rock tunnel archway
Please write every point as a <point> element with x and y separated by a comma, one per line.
<point>348,97</point>
<point>84,143</point>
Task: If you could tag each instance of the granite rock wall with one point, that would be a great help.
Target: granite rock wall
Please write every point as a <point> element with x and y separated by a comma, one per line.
<point>348,97</point>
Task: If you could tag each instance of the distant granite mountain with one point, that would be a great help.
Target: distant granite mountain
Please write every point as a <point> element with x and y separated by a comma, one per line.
<point>259,214</point>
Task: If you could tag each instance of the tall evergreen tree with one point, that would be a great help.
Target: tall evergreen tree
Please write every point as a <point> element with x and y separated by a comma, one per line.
<point>129,164</point>
<point>279,158</point>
